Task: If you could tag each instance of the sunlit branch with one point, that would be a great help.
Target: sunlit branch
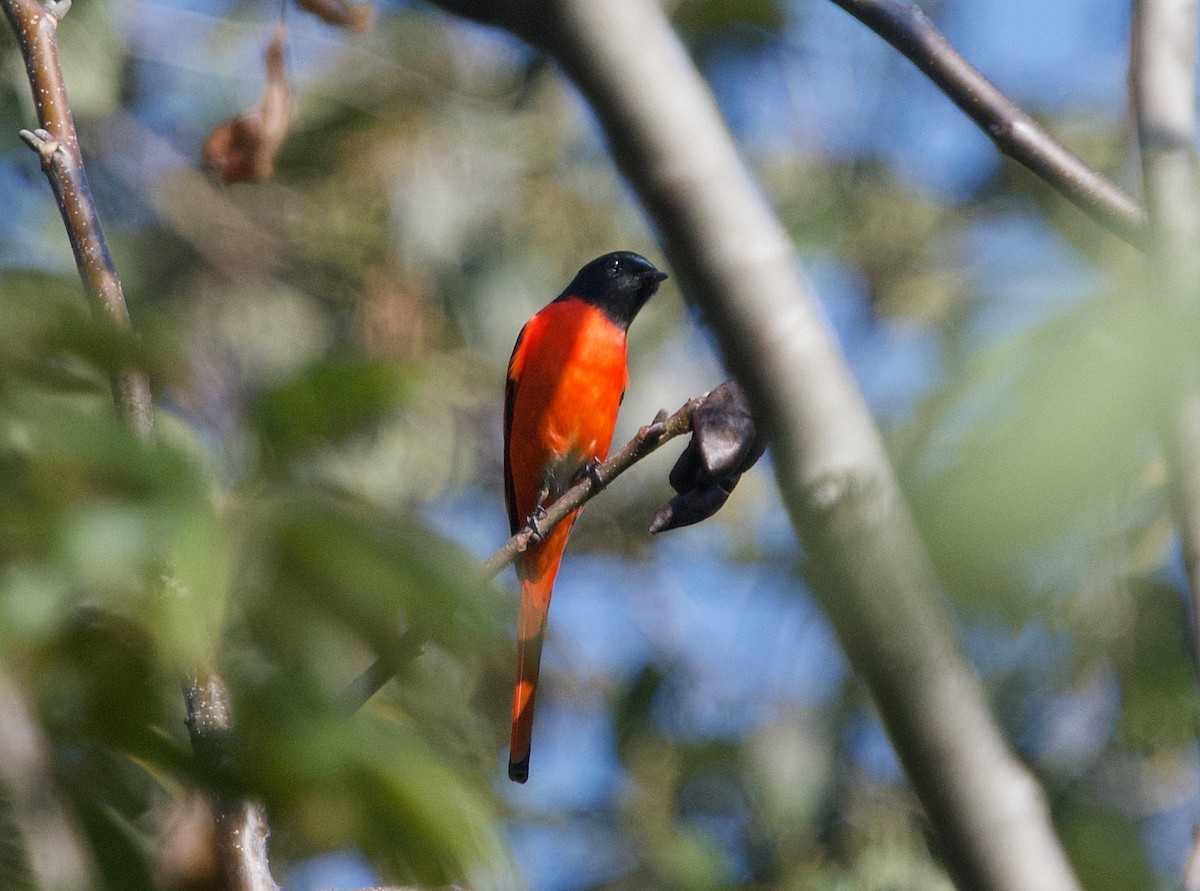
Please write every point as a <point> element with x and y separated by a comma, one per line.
<point>241,823</point>
<point>647,440</point>
<point>1163,88</point>
<point>1014,132</point>
<point>865,560</point>
<point>1162,82</point>
<point>35,27</point>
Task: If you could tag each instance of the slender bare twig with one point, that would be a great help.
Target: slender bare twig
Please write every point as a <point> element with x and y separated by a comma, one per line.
<point>866,561</point>
<point>36,26</point>
<point>1014,132</point>
<point>648,439</point>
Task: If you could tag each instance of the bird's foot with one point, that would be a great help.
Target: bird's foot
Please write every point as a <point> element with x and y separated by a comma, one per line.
<point>591,471</point>
<point>534,524</point>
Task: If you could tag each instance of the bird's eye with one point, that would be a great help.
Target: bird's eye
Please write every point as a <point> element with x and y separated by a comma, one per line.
<point>613,266</point>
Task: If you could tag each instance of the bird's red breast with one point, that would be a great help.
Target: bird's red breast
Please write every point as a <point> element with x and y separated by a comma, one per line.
<point>565,382</point>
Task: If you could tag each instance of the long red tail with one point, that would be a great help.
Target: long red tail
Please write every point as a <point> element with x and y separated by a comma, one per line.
<point>538,568</point>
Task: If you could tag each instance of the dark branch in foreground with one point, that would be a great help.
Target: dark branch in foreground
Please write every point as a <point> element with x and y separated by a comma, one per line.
<point>1014,132</point>
<point>647,440</point>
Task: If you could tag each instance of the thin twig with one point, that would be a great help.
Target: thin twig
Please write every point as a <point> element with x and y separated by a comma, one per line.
<point>648,439</point>
<point>1014,132</point>
<point>56,142</point>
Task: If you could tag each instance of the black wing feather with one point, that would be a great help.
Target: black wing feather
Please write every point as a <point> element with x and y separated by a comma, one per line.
<point>510,492</point>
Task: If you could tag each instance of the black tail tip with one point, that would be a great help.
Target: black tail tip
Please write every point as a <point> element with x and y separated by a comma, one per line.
<point>518,771</point>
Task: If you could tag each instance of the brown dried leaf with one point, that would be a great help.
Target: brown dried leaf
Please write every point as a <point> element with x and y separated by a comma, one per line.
<point>244,149</point>
<point>342,13</point>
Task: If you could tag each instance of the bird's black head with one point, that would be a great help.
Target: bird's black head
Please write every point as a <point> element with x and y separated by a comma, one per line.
<point>619,284</point>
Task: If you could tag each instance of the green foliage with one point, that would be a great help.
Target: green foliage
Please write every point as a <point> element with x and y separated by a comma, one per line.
<point>122,572</point>
<point>327,350</point>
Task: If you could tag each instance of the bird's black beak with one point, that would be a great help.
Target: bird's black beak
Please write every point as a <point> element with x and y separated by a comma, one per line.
<point>654,277</point>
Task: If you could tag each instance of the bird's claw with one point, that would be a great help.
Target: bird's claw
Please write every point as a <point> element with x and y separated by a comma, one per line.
<point>534,524</point>
<point>592,470</point>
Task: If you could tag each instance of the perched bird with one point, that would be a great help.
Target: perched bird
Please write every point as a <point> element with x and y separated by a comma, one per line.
<point>566,379</point>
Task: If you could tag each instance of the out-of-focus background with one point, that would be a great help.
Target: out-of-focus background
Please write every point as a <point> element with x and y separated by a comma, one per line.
<point>328,350</point>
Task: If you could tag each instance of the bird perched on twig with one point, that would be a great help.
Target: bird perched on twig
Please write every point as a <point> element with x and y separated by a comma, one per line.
<point>566,379</point>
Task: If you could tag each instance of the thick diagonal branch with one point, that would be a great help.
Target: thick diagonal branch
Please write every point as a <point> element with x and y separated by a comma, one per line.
<point>867,564</point>
<point>1162,84</point>
<point>1014,132</point>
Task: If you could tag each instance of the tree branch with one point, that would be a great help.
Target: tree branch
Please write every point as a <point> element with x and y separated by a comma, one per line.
<point>866,562</point>
<point>241,824</point>
<point>647,440</point>
<point>1162,83</point>
<point>55,141</point>
<point>1014,132</point>
<point>1163,88</point>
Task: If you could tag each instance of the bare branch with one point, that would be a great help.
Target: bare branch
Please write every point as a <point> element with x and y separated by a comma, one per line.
<point>1163,88</point>
<point>1162,83</point>
<point>647,440</point>
<point>1014,132</point>
<point>866,561</point>
<point>57,144</point>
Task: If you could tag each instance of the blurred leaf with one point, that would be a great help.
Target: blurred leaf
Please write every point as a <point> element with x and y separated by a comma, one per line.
<point>1159,709</point>
<point>709,16</point>
<point>123,855</point>
<point>1046,428</point>
<point>342,559</point>
<point>368,783</point>
<point>325,404</point>
<point>1105,851</point>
